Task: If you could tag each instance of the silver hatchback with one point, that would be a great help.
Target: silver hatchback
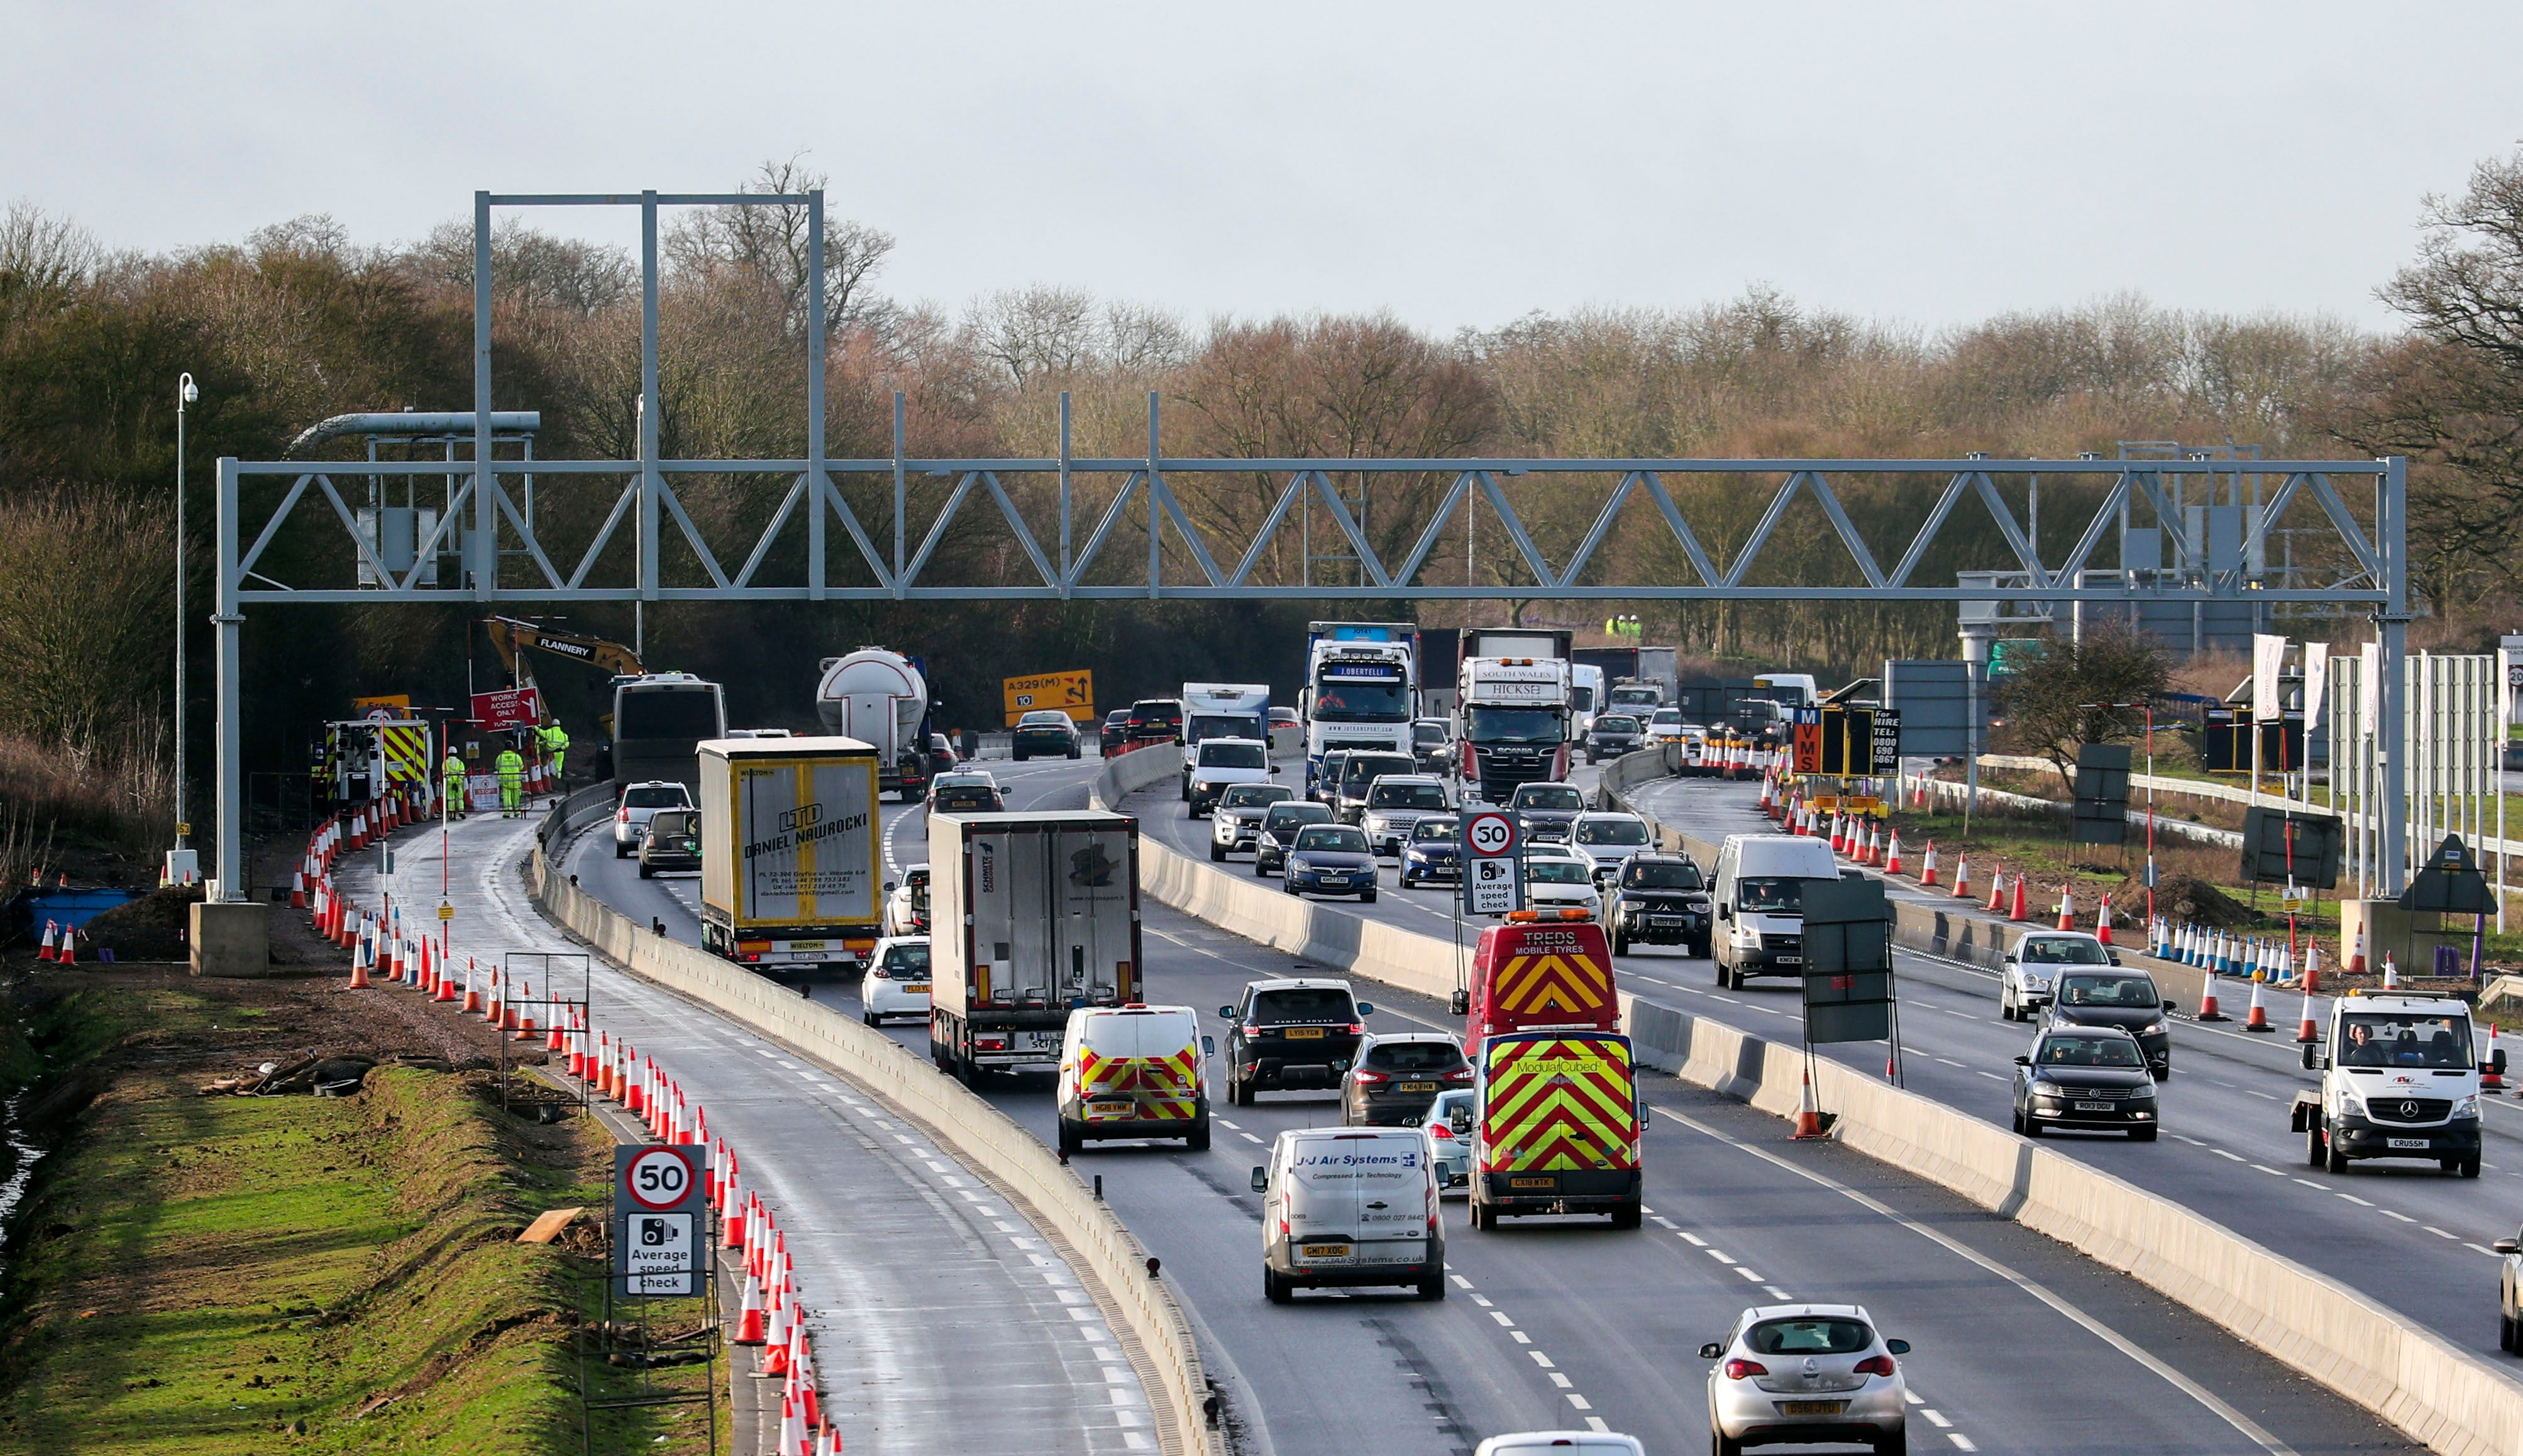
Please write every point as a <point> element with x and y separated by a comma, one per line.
<point>1796,1374</point>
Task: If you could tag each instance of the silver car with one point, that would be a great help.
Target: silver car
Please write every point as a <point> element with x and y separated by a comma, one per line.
<point>1796,1374</point>
<point>1395,805</point>
<point>1448,1129</point>
<point>1236,822</point>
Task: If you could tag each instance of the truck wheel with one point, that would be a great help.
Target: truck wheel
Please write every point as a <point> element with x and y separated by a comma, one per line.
<point>1198,1139</point>
<point>1073,1137</point>
<point>1628,1215</point>
<point>1274,1287</point>
<point>2337,1162</point>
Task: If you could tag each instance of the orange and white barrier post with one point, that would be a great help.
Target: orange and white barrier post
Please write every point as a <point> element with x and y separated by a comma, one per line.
<point>51,949</point>
<point>1997,891</point>
<point>2357,954</point>
<point>1927,867</point>
<point>2103,920</point>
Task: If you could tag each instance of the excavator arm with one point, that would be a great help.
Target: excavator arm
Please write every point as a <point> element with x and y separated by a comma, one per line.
<point>508,636</point>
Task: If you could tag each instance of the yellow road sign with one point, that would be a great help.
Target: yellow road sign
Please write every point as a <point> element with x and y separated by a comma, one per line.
<point>1072,693</point>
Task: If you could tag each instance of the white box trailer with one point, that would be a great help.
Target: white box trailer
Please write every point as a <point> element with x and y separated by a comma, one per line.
<point>790,859</point>
<point>1031,916</point>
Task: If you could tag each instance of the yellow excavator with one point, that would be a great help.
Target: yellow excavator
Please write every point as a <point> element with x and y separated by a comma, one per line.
<point>509,636</point>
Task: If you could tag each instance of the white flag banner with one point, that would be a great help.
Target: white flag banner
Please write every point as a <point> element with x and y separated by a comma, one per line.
<point>2268,660</point>
<point>2369,687</point>
<point>2316,682</point>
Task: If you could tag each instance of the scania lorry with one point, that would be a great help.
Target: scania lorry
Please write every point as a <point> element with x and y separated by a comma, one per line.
<point>1513,724</point>
<point>790,853</point>
<point>1032,916</point>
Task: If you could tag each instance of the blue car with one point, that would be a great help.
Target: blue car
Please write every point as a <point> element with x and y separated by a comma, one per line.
<point>1331,860</point>
<point>1432,852</point>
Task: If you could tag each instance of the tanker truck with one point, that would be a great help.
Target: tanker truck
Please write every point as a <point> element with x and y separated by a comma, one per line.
<point>878,697</point>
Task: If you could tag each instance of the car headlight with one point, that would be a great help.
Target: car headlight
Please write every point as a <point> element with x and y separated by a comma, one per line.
<point>2048,1089</point>
<point>2351,1105</point>
<point>2151,1028</point>
<point>2467,1107</point>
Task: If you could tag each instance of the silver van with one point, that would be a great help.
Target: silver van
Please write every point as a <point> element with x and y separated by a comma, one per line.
<point>1351,1206</point>
<point>1760,902</point>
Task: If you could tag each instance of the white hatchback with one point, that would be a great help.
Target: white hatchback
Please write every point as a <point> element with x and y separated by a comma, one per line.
<point>640,801</point>
<point>897,980</point>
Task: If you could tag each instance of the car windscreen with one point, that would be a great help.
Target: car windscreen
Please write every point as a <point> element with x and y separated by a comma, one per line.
<point>1669,715</point>
<point>1611,832</point>
<point>1557,872</point>
<point>1234,756</point>
<point>2044,951</point>
<point>1513,724</point>
<point>1428,733</point>
<point>1550,798</point>
<point>2089,1051</point>
<point>1252,795</point>
<point>1775,895</point>
<point>1616,724</point>
<point>1407,796</point>
<point>1359,769</point>
<point>1045,718</point>
<point>1652,875</point>
<point>655,798</point>
<point>1433,829</point>
<point>1344,699</point>
<point>1332,839</point>
<point>1283,814</point>
<point>1221,725</point>
<point>1814,1337</point>
<point>2117,993</point>
<point>1414,1057</point>
<point>2374,1039</point>
<point>1302,1004</point>
<point>907,957</point>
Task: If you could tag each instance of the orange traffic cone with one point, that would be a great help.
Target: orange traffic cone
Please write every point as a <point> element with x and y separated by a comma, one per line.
<point>2308,1031</point>
<point>749,1320</point>
<point>360,966</point>
<point>70,946</point>
<point>298,889</point>
<point>2067,908</point>
<point>2491,1077</point>
<point>2311,978</point>
<point>472,1005</point>
<point>523,1020</point>
<point>2208,998</point>
<point>1962,875</point>
<point>2257,1018</point>
<point>2103,920</point>
<point>1919,792</point>
<point>2017,910</point>
<point>1808,1116</point>
<point>2391,972</point>
<point>2357,955</point>
<point>1927,867</point>
<point>51,949</point>
<point>447,982</point>
<point>1997,891</point>
<point>1892,855</point>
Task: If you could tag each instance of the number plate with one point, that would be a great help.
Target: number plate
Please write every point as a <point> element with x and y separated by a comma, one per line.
<point>1811,1407</point>
<point>1305,1033</point>
<point>1790,959</point>
<point>2415,1144</point>
<point>1111,1110</point>
<point>805,945</point>
<point>916,988</point>
<point>2093,1106</point>
<point>1418,1086</point>
<point>1533,1183</point>
<point>1326,1250</point>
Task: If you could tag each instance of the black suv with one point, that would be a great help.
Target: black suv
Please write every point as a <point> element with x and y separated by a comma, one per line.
<point>1661,900</point>
<point>1291,1033</point>
<point>1398,1077</point>
<point>1280,825</point>
<point>1546,810</point>
<point>1156,721</point>
<point>1431,743</point>
<point>1117,732</point>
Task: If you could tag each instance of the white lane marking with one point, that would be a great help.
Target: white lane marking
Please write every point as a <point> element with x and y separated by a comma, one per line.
<point>1220,1122</point>
<point>1775,1292</point>
<point>1747,1274</point>
<point>2309,1183</point>
<point>2402,1217</point>
<point>1719,1255</point>
<point>2351,1198</point>
<point>1596,1423</point>
<point>2233,1158</point>
<point>1992,1077</point>
<point>1937,1417</point>
<point>2262,1096</point>
<point>2193,1141</point>
<point>1499,1315</point>
<point>1959,1440</point>
<point>1580,1401</point>
<point>1947,1060</point>
<point>2265,1168</point>
<point>1519,1336</point>
<point>2244,1424</point>
<point>2492,1253</point>
<point>1483,1301</point>
<point>2440,1233</point>
<point>1562,1381</point>
<point>1460,1281</point>
<point>1914,1398</point>
<point>1541,1359</point>
<point>1248,1137</point>
<point>1695,1241</point>
<point>1661,1222</point>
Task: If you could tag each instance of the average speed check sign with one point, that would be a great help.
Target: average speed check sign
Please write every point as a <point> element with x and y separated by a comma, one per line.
<point>660,1217</point>
<point>1493,884</point>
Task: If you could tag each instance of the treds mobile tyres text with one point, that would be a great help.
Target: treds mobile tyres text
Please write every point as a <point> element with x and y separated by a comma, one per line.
<point>1031,916</point>
<point>790,851</point>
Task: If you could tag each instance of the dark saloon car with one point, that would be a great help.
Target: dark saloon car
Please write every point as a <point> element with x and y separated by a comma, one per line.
<point>1433,852</point>
<point>1156,721</point>
<point>1291,1033</point>
<point>1116,734</point>
<point>1045,732</point>
<point>1398,1077</point>
<point>1615,734</point>
<point>2108,996</point>
<point>1660,900</point>
<point>2094,1078</point>
<point>1279,827</point>
<point>1546,810</point>
<point>1429,744</point>
<point>1331,860</point>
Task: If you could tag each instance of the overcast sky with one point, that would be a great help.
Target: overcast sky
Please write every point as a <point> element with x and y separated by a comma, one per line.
<point>1459,165</point>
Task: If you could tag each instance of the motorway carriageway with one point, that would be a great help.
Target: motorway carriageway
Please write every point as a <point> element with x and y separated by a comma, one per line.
<point>2021,1345</point>
<point>908,1264</point>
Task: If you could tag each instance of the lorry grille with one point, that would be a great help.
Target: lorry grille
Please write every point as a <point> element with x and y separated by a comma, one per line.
<point>1504,770</point>
<point>2408,1108</point>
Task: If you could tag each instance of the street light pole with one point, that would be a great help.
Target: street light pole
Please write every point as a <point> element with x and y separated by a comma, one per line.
<point>185,393</point>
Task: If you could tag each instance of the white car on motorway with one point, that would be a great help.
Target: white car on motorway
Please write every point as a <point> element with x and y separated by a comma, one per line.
<point>2028,974</point>
<point>1447,1127</point>
<point>1562,1443</point>
<point>639,803</point>
<point>897,983</point>
<point>1664,725</point>
<point>1556,878</point>
<point>906,904</point>
<point>1607,840</point>
<point>1800,1374</point>
<point>1220,764</point>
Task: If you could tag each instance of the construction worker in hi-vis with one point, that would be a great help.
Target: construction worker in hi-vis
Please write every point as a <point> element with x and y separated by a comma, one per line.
<point>555,741</point>
<point>451,784</point>
<point>512,782</point>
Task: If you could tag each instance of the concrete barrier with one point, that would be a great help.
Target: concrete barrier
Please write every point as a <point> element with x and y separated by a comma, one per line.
<point>2438,1392</point>
<point>981,1135</point>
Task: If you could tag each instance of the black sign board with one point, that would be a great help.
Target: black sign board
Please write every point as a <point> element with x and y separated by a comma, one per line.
<point>1859,742</point>
<point>2449,882</point>
<point>2226,743</point>
<point>2102,794</point>
<point>1848,962</point>
<point>2282,848</point>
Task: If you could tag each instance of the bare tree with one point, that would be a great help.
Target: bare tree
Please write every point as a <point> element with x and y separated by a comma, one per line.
<point>770,243</point>
<point>44,262</point>
<point>2058,701</point>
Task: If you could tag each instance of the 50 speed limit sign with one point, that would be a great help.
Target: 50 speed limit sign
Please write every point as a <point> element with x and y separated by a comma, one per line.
<point>1491,834</point>
<point>659,1179</point>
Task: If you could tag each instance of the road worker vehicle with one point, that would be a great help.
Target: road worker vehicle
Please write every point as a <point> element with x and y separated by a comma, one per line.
<point>1558,1128</point>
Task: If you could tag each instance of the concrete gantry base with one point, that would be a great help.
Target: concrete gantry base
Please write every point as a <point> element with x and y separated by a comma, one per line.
<point>231,938</point>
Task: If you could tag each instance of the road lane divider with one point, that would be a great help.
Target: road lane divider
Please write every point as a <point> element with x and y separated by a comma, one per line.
<point>2439,1394</point>
<point>980,1134</point>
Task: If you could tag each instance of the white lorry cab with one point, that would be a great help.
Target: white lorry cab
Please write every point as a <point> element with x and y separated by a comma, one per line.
<point>1351,1206</point>
<point>1133,1072</point>
<point>2398,1079</point>
<point>1760,902</point>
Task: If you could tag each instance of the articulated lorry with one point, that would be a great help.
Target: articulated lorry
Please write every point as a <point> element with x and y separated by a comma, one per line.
<point>1512,723</point>
<point>1361,684</point>
<point>1032,916</point>
<point>1638,667</point>
<point>880,697</point>
<point>790,853</point>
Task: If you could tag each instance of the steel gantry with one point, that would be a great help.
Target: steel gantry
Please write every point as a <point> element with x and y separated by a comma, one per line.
<point>478,546</point>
